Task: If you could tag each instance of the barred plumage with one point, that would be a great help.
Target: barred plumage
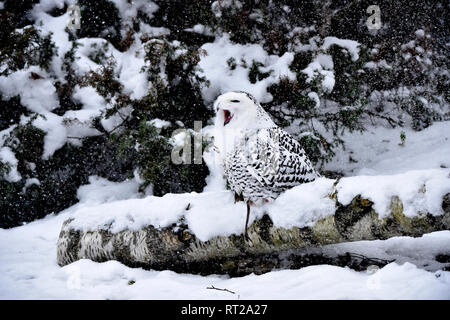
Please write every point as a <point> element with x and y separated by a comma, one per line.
<point>260,160</point>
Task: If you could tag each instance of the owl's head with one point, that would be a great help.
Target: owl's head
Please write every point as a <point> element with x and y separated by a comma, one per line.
<point>239,110</point>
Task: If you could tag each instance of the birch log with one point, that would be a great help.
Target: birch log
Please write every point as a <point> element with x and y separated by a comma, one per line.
<point>269,246</point>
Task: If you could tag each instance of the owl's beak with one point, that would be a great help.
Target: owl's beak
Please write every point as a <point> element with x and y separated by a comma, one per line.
<point>227,116</point>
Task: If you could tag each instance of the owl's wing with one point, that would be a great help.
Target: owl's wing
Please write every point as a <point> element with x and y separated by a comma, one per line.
<point>278,160</point>
<point>289,143</point>
<point>296,161</point>
<point>263,156</point>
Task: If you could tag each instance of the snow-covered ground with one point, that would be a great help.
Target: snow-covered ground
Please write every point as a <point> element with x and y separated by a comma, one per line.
<point>378,151</point>
<point>28,268</point>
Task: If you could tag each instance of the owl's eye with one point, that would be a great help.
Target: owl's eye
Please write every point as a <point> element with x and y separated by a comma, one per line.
<point>235,101</point>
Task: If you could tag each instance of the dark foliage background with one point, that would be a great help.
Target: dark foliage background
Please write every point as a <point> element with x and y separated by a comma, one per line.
<point>357,96</point>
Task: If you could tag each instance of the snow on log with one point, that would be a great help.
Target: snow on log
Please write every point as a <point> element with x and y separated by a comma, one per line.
<point>203,232</point>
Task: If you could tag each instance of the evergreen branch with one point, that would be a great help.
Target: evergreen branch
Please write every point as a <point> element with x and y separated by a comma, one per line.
<point>391,121</point>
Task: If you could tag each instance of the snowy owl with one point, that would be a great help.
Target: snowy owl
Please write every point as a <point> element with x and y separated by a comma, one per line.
<point>259,159</point>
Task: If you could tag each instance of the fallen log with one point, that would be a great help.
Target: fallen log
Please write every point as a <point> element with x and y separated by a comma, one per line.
<point>175,246</point>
